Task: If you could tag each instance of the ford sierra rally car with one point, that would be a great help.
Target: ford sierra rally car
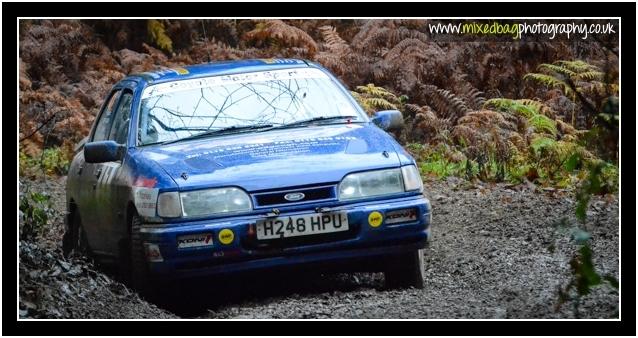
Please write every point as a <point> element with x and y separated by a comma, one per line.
<point>244,165</point>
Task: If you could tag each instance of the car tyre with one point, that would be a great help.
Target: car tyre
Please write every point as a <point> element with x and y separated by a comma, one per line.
<point>74,238</point>
<point>407,270</point>
<point>133,260</point>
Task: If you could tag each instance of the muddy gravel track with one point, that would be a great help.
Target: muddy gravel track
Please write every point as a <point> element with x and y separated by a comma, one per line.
<point>497,251</point>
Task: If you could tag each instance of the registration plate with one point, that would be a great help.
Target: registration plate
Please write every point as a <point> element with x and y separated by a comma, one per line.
<point>302,225</point>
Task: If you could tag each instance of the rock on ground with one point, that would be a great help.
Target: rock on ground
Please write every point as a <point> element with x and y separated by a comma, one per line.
<point>54,286</point>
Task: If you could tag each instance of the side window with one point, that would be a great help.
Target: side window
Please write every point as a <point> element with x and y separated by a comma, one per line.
<point>104,122</point>
<point>121,121</point>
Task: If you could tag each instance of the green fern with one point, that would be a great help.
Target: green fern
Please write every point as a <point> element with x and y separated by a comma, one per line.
<point>590,76</point>
<point>576,66</point>
<point>556,75</point>
<point>157,34</point>
<point>542,142</point>
<point>511,106</point>
<point>557,69</point>
<point>554,156</point>
<point>377,102</point>
<point>370,104</point>
<point>357,97</point>
<point>499,103</point>
<point>539,107</point>
<point>375,91</point>
<point>542,123</point>
<point>597,87</point>
<point>372,98</point>
<point>523,107</point>
<point>551,82</point>
<point>362,101</point>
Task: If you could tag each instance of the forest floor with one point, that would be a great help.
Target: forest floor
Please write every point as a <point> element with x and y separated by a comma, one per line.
<point>497,251</point>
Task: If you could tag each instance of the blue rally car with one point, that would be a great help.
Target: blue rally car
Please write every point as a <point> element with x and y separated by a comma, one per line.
<point>243,166</point>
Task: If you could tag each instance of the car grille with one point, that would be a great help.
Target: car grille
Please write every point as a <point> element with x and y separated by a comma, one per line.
<point>312,194</point>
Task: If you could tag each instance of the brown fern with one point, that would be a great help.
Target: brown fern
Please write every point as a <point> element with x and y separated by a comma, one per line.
<point>407,49</point>
<point>281,32</point>
<point>486,134</point>
<point>332,62</point>
<point>376,34</point>
<point>474,98</point>
<point>334,42</point>
<point>422,122</point>
<point>371,36</point>
<point>25,82</point>
<point>215,50</point>
<point>446,104</point>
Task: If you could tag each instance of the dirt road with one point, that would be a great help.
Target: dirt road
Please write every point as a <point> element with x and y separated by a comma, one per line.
<point>497,252</point>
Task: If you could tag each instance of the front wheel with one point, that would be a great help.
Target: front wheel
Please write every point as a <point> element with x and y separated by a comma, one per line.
<point>74,238</point>
<point>406,270</point>
<point>133,258</point>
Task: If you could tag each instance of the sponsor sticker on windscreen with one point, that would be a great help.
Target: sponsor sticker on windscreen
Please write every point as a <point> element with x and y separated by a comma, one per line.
<point>221,80</point>
<point>197,240</point>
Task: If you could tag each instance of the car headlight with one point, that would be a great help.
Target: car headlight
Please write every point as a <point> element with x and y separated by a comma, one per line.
<point>412,178</point>
<point>371,183</point>
<point>214,201</point>
<point>168,204</point>
<point>380,182</point>
<point>203,202</point>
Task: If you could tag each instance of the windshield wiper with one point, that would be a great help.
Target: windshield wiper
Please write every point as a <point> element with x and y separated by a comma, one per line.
<point>262,127</point>
<point>316,119</point>
<point>221,131</point>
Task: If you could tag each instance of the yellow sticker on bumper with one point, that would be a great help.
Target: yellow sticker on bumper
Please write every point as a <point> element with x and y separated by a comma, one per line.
<point>375,219</point>
<point>226,236</point>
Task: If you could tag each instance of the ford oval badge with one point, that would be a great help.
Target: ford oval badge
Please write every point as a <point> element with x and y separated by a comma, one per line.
<point>294,196</point>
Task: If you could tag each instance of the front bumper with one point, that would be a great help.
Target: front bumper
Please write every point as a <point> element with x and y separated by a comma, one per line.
<point>245,253</point>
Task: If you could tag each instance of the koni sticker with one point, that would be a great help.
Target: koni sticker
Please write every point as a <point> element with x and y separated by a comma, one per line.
<point>400,216</point>
<point>145,200</point>
<point>197,240</point>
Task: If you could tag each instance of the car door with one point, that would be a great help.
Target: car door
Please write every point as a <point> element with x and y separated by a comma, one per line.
<point>111,186</point>
<point>89,173</point>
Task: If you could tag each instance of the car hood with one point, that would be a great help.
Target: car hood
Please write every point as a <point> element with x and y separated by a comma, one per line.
<point>276,158</point>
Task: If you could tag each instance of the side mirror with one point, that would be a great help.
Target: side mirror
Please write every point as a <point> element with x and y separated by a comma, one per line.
<point>103,151</point>
<point>389,120</point>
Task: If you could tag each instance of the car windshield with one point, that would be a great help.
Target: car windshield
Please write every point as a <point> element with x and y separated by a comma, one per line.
<point>180,109</point>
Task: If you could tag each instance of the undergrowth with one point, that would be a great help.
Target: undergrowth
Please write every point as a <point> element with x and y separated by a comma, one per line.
<point>36,209</point>
<point>51,161</point>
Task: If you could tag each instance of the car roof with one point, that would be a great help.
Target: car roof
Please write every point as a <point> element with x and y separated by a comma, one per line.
<point>215,68</point>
